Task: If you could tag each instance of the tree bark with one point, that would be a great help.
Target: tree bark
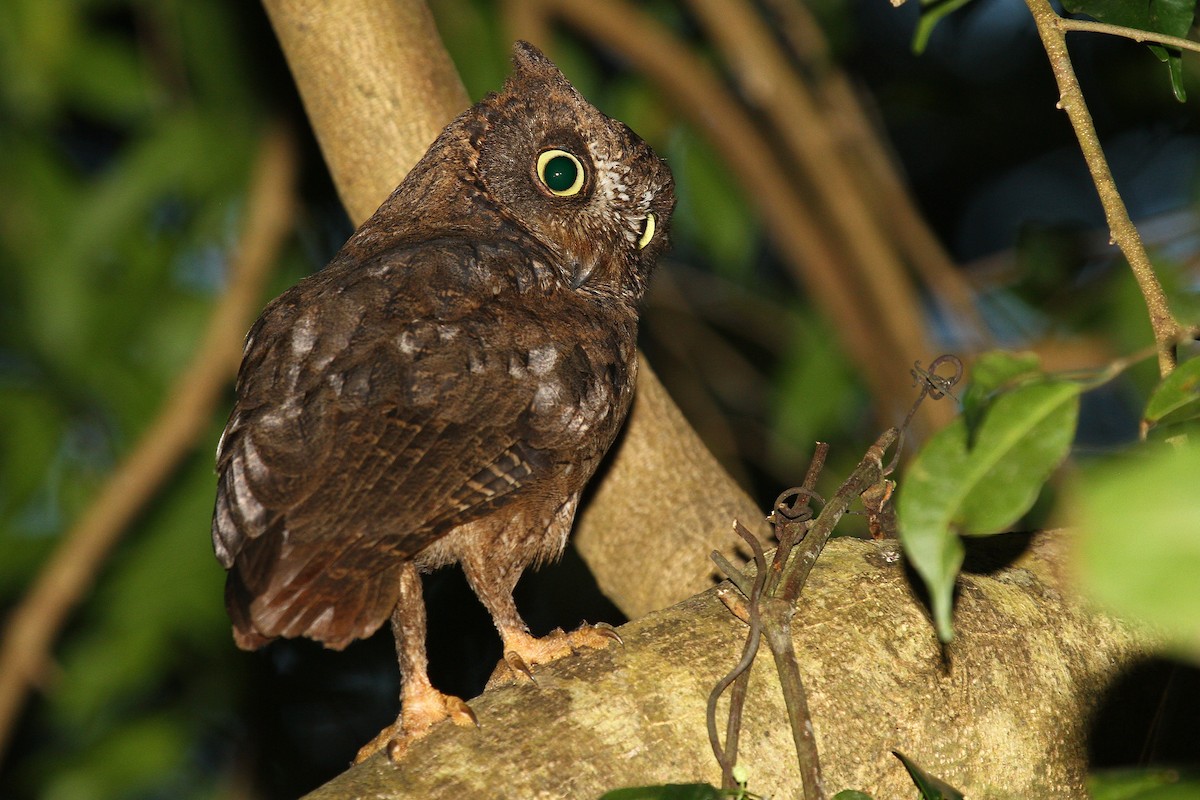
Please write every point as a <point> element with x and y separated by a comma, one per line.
<point>378,87</point>
<point>1002,713</point>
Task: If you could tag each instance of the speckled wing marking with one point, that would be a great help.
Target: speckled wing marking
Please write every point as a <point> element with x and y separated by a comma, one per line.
<point>339,461</point>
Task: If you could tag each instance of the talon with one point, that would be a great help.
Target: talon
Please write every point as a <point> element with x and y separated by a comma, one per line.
<point>421,708</point>
<point>604,629</point>
<point>461,713</point>
<point>517,665</point>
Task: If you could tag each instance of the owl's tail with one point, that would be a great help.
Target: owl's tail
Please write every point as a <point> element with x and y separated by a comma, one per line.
<point>317,601</point>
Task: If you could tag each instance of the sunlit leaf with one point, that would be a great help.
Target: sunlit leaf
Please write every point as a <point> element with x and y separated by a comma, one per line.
<point>1138,547</point>
<point>1171,17</point>
<point>991,373</point>
<point>958,486</point>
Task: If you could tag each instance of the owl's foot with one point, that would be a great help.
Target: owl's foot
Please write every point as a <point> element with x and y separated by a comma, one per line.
<point>522,651</point>
<point>421,709</point>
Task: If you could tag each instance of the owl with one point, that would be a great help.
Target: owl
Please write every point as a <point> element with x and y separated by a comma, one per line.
<point>445,387</point>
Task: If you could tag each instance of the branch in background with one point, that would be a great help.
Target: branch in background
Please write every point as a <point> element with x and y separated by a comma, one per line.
<point>876,168</point>
<point>1124,233</point>
<point>810,146</point>
<point>184,417</point>
<point>396,88</point>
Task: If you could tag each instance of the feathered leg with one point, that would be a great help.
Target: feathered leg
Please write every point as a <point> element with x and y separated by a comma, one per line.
<point>522,650</point>
<point>421,705</point>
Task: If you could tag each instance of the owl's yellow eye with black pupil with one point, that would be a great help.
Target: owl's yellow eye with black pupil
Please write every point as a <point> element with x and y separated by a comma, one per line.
<point>560,172</point>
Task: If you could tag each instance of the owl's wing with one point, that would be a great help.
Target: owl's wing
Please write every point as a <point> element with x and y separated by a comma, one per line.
<point>378,408</point>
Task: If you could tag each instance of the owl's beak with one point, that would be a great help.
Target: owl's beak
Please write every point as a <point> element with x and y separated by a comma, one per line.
<point>583,270</point>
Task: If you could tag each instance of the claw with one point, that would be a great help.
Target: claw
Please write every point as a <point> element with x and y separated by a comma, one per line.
<point>421,709</point>
<point>604,629</point>
<point>518,666</point>
<point>461,713</point>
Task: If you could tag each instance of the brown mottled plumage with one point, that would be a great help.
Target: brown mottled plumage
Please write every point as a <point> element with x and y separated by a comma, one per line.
<point>446,386</point>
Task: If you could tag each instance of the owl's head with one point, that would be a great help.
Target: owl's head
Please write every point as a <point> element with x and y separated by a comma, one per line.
<point>580,183</point>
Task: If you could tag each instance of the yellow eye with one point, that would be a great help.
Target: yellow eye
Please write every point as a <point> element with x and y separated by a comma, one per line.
<point>560,172</point>
<point>647,231</point>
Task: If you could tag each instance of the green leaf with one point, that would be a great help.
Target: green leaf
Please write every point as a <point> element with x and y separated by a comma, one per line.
<point>1138,549</point>
<point>851,794</point>
<point>669,791</point>
<point>127,759</point>
<point>977,487</point>
<point>160,599</point>
<point>813,385</point>
<point>991,373</point>
<point>1177,398</point>
<point>932,788</point>
<point>1170,17</point>
<point>932,12</point>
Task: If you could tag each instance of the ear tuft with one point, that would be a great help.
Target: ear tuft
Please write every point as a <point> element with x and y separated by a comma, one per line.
<point>531,65</point>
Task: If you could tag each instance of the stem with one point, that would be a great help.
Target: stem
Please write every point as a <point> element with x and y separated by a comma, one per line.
<point>1135,34</point>
<point>776,616</point>
<point>1124,233</point>
<point>739,676</point>
<point>787,531</point>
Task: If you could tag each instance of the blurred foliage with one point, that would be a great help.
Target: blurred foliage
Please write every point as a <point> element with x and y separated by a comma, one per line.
<point>1142,560</point>
<point>1144,785</point>
<point>126,133</point>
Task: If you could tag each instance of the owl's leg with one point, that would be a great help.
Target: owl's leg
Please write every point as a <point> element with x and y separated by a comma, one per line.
<point>494,587</point>
<point>421,705</point>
